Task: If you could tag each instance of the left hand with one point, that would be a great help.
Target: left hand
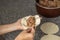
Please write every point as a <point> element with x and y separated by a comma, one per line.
<point>11,27</point>
<point>18,25</point>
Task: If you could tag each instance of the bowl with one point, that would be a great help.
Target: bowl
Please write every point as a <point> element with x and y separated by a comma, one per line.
<point>47,12</point>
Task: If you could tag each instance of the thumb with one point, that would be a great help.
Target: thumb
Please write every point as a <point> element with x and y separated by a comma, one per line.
<point>33,31</point>
<point>27,30</point>
<point>30,30</point>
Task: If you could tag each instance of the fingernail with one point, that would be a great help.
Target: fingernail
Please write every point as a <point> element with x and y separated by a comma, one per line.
<point>29,30</point>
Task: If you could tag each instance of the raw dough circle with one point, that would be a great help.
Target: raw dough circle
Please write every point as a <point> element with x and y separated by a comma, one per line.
<point>49,28</point>
<point>50,37</point>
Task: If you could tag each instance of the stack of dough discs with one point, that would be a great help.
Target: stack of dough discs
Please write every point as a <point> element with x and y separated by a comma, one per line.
<point>49,28</point>
<point>50,37</point>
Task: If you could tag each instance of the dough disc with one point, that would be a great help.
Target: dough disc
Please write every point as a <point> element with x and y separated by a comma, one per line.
<point>50,37</point>
<point>49,28</point>
<point>24,21</point>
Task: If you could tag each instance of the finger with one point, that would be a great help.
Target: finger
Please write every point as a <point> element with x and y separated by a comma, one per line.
<point>19,20</point>
<point>33,31</point>
<point>29,30</point>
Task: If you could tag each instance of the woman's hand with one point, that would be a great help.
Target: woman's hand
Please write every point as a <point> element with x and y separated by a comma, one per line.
<point>11,27</point>
<point>18,25</point>
<point>26,35</point>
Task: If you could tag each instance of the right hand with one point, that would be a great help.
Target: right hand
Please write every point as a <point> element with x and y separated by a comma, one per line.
<point>26,35</point>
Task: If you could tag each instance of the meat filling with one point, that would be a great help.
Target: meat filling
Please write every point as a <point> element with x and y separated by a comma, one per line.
<point>31,22</point>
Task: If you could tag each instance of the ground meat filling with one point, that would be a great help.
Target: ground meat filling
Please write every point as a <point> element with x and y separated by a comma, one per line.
<point>31,22</point>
